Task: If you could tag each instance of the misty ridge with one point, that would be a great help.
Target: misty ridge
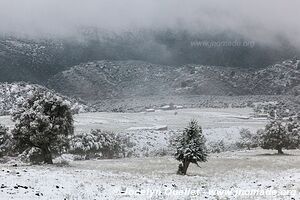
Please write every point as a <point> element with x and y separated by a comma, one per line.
<point>155,31</point>
<point>43,42</point>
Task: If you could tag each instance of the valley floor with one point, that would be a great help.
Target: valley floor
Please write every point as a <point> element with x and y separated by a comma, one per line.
<point>255,174</point>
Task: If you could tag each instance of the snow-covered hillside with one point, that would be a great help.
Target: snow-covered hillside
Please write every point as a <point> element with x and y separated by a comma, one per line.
<point>121,79</point>
<point>11,95</point>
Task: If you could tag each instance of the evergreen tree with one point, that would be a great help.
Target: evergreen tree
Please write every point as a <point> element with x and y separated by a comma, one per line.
<point>44,121</point>
<point>190,147</point>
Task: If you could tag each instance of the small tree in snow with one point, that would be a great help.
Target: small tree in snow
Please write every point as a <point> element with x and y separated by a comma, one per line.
<point>247,139</point>
<point>4,140</point>
<point>190,147</point>
<point>277,136</point>
<point>44,121</point>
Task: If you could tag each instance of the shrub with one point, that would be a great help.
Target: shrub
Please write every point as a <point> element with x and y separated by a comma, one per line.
<point>5,141</point>
<point>33,155</point>
<point>293,130</point>
<point>98,143</point>
<point>247,139</point>
<point>216,147</point>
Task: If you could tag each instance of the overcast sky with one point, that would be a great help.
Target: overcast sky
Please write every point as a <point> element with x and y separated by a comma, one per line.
<point>257,19</point>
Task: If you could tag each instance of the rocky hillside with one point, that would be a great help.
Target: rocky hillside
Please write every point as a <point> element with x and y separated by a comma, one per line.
<point>15,93</point>
<point>277,79</point>
<point>107,79</point>
<point>36,59</point>
<point>121,79</point>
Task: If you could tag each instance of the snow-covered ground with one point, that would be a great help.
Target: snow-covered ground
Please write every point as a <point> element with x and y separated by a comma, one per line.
<point>174,119</point>
<point>236,174</point>
<point>227,175</point>
<point>151,131</point>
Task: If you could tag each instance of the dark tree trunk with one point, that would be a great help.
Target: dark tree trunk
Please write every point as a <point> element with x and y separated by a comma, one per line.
<point>47,155</point>
<point>280,151</point>
<point>185,165</point>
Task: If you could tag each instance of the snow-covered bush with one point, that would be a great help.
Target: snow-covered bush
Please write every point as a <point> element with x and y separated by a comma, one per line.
<point>98,143</point>
<point>293,130</point>
<point>247,139</point>
<point>278,135</point>
<point>33,155</point>
<point>216,147</point>
<point>5,141</point>
<point>190,147</point>
<point>44,121</point>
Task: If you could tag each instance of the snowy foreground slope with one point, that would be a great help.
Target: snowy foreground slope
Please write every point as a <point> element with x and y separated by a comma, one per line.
<point>232,175</point>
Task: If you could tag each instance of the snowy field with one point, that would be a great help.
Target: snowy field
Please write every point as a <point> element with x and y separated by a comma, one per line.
<point>151,131</point>
<point>227,175</point>
<point>173,119</point>
<point>232,174</point>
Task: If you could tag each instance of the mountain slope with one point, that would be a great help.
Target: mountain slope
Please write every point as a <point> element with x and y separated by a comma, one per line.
<point>119,79</point>
<point>35,59</point>
<point>108,79</point>
<point>277,79</point>
<point>29,60</point>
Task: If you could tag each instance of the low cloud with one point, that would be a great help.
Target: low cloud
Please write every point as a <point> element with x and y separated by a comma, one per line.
<point>262,21</point>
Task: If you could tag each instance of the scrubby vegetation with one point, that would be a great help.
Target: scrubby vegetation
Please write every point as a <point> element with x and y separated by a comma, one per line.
<point>5,141</point>
<point>101,144</point>
<point>247,139</point>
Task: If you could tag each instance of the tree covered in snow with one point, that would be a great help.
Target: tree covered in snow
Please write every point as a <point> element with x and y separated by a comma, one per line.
<point>278,135</point>
<point>44,121</point>
<point>104,143</point>
<point>247,139</point>
<point>190,147</point>
<point>13,94</point>
<point>5,140</point>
